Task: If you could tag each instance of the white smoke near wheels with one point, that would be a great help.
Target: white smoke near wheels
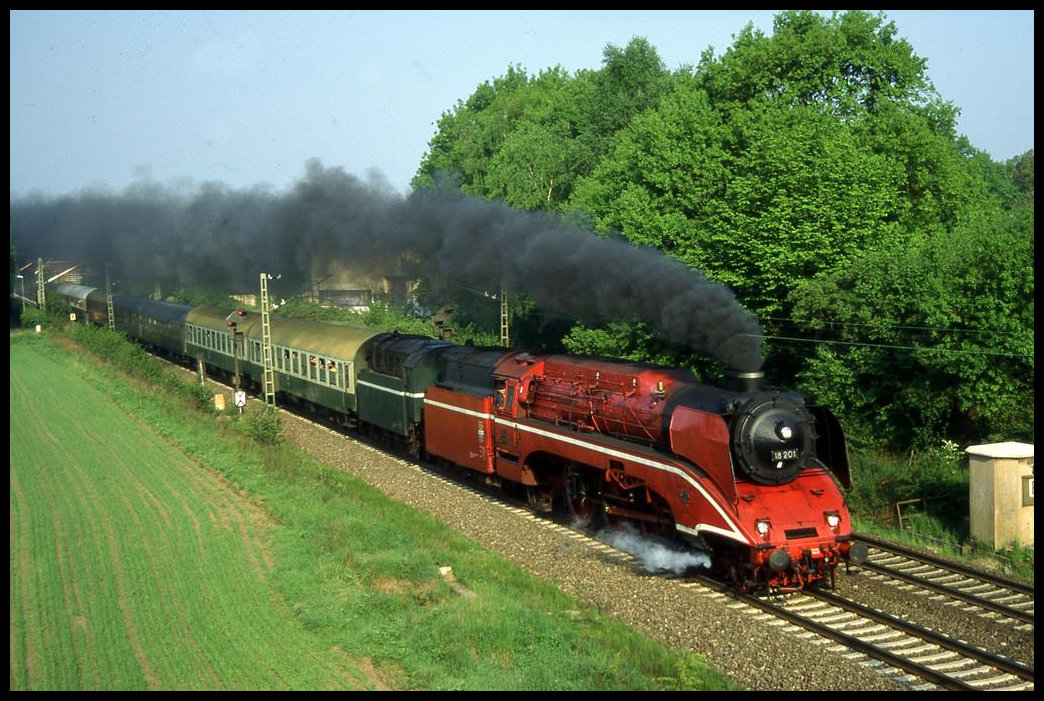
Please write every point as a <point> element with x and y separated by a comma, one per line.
<point>655,556</point>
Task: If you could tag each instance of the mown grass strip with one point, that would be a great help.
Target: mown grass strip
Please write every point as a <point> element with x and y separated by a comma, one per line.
<point>131,566</point>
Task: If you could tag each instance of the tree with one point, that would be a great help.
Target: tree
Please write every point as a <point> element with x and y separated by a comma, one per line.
<point>632,81</point>
<point>788,157</point>
<point>847,65</point>
<point>931,338</point>
<point>1021,168</point>
<point>771,198</point>
<point>468,135</point>
<point>526,140</point>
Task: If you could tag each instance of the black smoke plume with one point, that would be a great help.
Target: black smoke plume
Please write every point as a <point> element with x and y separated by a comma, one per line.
<point>223,239</point>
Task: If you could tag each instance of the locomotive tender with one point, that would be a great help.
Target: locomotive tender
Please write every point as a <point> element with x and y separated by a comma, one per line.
<point>747,474</point>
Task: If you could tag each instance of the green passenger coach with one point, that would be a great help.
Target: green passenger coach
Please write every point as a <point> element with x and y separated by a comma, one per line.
<point>315,363</point>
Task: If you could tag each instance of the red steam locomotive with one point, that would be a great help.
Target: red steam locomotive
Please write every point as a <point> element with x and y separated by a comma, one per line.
<point>746,474</point>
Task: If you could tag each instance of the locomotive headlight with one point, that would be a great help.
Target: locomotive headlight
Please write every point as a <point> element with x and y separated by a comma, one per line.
<point>833,520</point>
<point>763,528</point>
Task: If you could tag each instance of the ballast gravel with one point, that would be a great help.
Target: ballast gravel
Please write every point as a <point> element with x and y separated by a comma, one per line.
<point>752,650</point>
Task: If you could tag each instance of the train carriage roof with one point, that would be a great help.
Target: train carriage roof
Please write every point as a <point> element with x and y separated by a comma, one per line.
<point>317,337</point>
<point>67,289</point>
<point>153,308</point>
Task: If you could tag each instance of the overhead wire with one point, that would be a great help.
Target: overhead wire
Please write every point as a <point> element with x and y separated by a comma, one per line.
<point>799,339</point>
<point>928,349</point>
<point>899,327</point>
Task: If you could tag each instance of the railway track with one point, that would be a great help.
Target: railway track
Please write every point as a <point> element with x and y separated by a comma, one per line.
<point>988,594</point>
<point>912,655</point>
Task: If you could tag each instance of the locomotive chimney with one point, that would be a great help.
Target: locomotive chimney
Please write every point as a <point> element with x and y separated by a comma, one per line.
<point>736,381</point>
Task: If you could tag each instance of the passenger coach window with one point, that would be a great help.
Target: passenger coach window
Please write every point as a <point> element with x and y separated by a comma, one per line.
<point>297,366</point>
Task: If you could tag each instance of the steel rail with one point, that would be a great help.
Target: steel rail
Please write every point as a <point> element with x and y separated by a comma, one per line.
<point>950,590</point>
<point>1000,662</point>
<point>850,641</point>
<point>956,567</point>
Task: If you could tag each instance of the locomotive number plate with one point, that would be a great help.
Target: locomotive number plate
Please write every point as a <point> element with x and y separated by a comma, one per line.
<point>785,454</point>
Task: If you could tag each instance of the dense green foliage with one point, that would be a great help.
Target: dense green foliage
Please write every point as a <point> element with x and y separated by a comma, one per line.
<point>947,349</point>
<point>265,426</point>
<point>31,316</point>
<point>816,172</point>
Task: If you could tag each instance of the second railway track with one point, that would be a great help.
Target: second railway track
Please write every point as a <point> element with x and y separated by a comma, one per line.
<point>989,593</point>
<point>919,656</point>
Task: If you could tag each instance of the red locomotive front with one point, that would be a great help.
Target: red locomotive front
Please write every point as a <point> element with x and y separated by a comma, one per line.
<point>744,472</point>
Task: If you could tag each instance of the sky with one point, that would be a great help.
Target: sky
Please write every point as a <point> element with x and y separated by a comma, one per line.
<point>107,99</point>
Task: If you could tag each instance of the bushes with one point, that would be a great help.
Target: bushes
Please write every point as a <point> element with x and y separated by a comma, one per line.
<point>265,426</point>
<point>32,316</point>
<point>130,358</point>
<point>116,349</point>
<point>930,489</point>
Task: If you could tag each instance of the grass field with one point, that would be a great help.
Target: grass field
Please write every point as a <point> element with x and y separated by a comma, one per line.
<point>132,567</point>
<point>154,548</point>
